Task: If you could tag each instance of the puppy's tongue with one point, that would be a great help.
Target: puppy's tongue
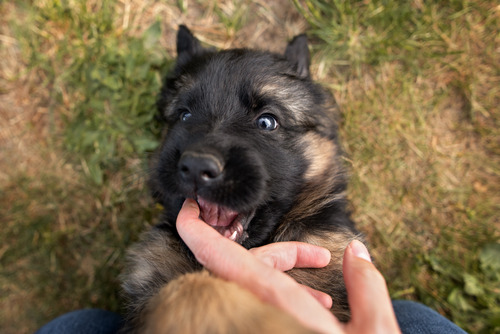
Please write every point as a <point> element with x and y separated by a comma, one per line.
<point>224,220</point>
<point>216,215</point>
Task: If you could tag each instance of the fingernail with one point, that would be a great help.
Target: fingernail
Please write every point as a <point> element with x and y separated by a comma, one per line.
<point>359,250</point>
<point>190,202</point>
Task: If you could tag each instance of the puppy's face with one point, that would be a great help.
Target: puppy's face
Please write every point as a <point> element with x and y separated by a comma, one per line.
<point>235,127</point>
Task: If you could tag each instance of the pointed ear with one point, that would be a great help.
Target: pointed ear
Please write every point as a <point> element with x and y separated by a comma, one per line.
<point>187,45</point>
<point>297,53</point>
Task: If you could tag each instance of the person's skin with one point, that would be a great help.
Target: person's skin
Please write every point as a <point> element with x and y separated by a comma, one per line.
<point>260,270</point>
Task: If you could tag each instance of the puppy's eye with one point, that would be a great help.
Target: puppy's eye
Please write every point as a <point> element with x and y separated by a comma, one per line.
<point>267,122</point>
<point>184,115</point>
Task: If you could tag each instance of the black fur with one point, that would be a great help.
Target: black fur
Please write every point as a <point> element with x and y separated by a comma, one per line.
<point>216,106</point>
<point>225,102</point>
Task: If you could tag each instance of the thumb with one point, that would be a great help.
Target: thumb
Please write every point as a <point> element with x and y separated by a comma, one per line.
<point>371,306</point>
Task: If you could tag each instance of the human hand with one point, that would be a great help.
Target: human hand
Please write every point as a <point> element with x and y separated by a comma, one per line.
<point>284,256</point>
<point>259,271</point>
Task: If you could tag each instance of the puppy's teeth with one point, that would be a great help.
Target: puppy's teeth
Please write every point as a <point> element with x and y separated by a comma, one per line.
<point>233,236</point>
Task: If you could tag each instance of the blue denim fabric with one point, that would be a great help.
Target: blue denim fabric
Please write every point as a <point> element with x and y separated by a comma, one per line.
<point>412,317</point>
<point>416,318</point>
<point>88,321</point>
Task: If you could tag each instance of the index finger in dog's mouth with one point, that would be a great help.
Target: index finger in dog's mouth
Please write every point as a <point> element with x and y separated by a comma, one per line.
<point>190,214</point>
<point>195,233</point>
<point>210,248</point>
<point>188,220</point>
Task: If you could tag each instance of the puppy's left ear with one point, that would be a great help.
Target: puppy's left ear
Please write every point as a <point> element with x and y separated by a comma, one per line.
<point>297,53</point>
<point>187,45</point>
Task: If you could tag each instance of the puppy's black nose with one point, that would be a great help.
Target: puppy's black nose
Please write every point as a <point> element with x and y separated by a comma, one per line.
<point>200,168</point>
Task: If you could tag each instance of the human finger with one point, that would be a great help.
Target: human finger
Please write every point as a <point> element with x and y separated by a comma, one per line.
<point>220,255</point>
<point>292,254</point>
<point>211,249</point>
<point>323,298</point>
<point>369,300</point>
<point>232,262</point>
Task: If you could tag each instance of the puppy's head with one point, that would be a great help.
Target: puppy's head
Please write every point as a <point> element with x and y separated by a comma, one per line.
<point>237,123</point>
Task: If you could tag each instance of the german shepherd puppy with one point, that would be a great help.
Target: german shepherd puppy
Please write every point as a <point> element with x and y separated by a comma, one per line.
<point>255,142</point>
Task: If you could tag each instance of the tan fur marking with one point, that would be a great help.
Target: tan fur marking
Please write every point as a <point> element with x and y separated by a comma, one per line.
<point>320,154</point>
<point>335,242</point>
<point>156,259</point>
<point>296,101</point>
<point>329,279</point>
<point>200,303</point>
<point>323,173</point>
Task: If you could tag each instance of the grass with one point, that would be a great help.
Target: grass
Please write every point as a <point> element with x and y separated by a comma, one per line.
<point>419,87</point>
<point>418,84</point>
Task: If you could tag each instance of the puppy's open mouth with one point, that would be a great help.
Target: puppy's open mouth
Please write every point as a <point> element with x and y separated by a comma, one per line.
<point>227,222</point>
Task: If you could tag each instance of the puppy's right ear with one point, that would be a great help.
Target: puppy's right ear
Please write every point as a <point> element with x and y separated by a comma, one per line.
<point>187,45</point>
<point>297,53</point>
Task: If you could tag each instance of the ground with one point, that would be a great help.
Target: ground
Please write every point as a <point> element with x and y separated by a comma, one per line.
<point>418,84</point>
